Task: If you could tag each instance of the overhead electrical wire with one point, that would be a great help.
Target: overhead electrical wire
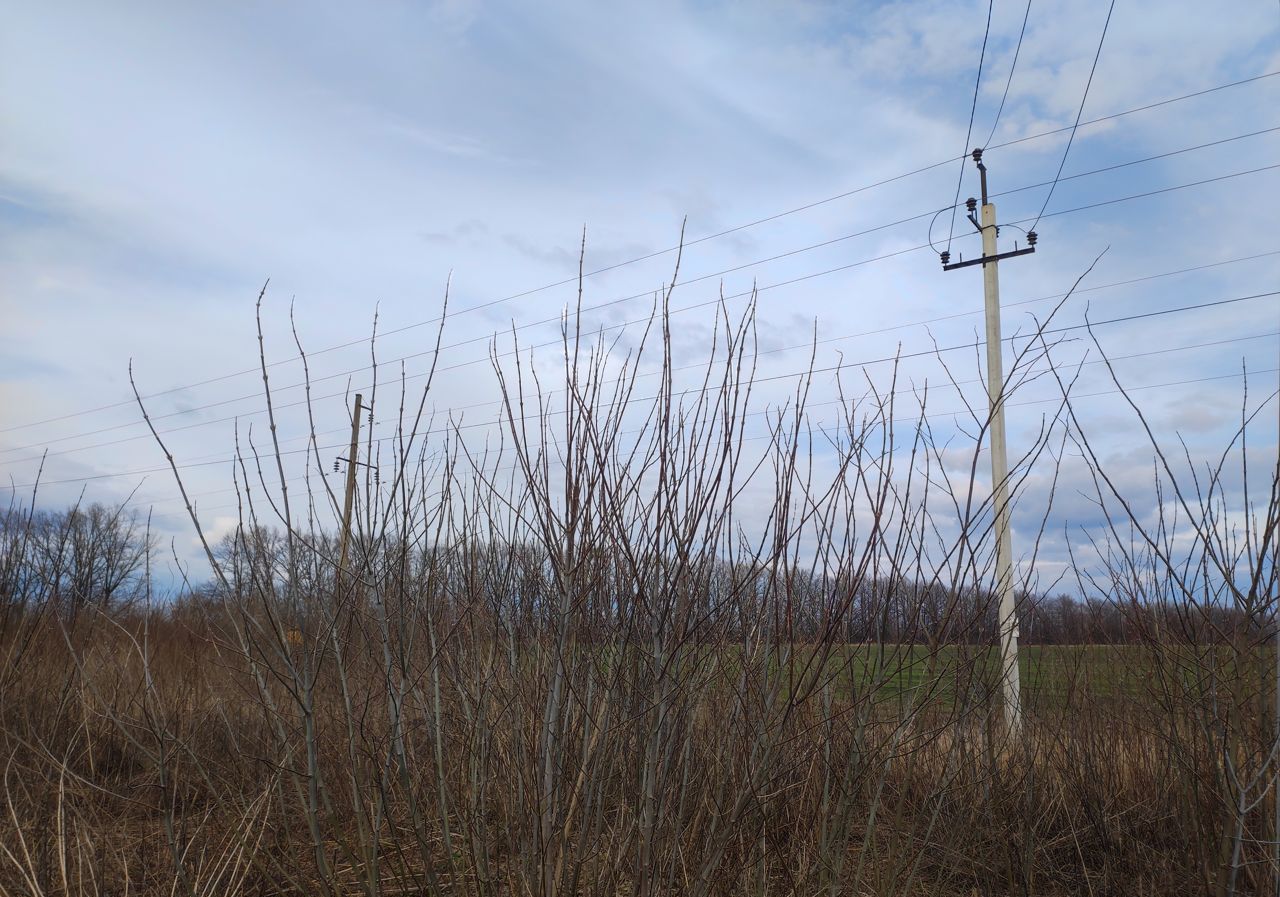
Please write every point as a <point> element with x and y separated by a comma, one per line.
<point>1146,194</point>
<point>618,326</point>
<point>177,515</point>
<point>1080,112</point>
<point>654,254</point>
<point>648,293</point>
<point>796,347</point>
<point>149,502</point>
<point>1009,82</point>
<point>771,378</point>
<point>973,110</point>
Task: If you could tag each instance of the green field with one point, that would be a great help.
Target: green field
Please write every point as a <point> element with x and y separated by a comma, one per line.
<point>1051,675</point>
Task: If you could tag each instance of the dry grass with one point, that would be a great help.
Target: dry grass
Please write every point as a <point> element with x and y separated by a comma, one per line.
<point>814,795</point>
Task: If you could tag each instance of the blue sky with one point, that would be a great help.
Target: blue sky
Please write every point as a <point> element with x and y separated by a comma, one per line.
<point>160,162</point>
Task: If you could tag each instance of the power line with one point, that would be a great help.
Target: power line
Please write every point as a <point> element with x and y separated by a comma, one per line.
<point>1150,193</point>
<point>912,419</point>
<point>1149,106</point>
<point>772,378</point>
<point>977,82</point>
<point>795,347</point>
<point>657,253</point>
<point>647,293</point>
<point>789,253</point>
<point>1118,165</point>
<point>469,363</point>
<point>1007,84</point>
<point>1092,395</point>
<point>1108,359</point>
<point>1079,113</point>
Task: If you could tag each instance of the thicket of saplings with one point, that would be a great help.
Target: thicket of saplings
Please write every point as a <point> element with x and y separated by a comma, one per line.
<point>657,638</point>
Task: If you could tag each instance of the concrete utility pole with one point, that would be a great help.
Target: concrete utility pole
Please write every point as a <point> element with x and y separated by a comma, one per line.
<point>351,488</point>
<point>990,259</point>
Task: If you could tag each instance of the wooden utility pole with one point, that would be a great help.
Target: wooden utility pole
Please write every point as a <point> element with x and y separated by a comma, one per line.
<point>1009,677</point>
<point>351,488</point>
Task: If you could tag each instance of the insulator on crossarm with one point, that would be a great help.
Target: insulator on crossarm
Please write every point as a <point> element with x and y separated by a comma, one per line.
<point>1031,238</point>
<point>945,256</point>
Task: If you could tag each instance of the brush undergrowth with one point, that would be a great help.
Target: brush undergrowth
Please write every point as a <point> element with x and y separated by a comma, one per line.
<point>629,648</point>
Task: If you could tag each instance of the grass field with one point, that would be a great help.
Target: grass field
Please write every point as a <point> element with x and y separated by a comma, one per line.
<point>1051,676</point>
<point>105,770</point>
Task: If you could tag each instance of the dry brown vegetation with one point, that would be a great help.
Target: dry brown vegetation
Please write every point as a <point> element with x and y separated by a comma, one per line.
<point>611,655</point>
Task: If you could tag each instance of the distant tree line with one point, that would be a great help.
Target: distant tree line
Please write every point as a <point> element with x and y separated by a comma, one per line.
<point>70,560</point>
<point>98,556</point>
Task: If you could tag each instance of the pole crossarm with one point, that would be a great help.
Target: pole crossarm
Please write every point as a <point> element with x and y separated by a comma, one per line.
<point>989,258</point>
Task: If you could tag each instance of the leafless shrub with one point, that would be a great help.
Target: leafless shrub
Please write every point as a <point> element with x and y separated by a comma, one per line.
<point>630,647</point>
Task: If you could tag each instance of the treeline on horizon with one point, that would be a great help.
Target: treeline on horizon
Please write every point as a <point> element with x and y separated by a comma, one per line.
<point>98,558</point>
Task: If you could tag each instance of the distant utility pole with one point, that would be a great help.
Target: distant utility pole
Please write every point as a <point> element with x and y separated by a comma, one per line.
<point>999,454</point>
<point>349,500</point>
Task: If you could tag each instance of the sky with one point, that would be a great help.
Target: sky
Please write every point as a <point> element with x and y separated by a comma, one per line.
<point>160,163</point>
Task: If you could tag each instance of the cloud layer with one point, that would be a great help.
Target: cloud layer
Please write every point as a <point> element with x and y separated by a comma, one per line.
<point>160,163</point>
